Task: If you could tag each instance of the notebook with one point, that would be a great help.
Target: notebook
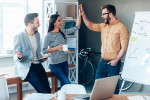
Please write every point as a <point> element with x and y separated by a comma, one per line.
<point>103,88</point>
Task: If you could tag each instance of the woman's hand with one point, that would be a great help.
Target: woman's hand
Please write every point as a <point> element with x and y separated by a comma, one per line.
<point>60,47</point>
<point>57,48</point>
<point>79,18</point>
<point>81,10</point>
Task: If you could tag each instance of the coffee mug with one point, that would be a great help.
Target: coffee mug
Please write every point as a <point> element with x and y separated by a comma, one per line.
<point>61,95</point>
<point>65,47</point>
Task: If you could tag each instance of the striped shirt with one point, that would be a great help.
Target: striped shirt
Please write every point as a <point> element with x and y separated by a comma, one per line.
<point>54,39</point>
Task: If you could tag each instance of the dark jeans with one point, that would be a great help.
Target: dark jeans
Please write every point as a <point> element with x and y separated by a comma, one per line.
<point>106,70</point>
<point>61,72</point>
<point>38,79</point>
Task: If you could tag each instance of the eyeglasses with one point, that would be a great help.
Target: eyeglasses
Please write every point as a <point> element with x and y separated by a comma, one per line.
<point>104,14</point>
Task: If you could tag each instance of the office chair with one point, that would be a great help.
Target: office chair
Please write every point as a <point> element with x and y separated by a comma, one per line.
<point>4,95</point>
<point>74,89</point>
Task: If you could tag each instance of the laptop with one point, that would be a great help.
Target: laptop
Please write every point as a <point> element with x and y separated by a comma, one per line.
<point>103,88</point>
<point>4,95</point>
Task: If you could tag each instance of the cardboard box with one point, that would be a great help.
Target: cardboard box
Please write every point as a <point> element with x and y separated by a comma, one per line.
<point>72,11</point>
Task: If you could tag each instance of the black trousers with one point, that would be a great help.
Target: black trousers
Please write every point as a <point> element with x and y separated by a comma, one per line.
<point>38,79</point>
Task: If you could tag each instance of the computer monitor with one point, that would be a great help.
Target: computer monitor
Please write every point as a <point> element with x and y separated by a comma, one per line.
<point>103,88</point>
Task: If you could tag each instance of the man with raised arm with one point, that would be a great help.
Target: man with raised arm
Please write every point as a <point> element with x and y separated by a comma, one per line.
<point>114,37</point>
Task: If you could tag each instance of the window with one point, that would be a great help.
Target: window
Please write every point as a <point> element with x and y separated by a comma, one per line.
<point>12,24</point>
<point>12,13</point>
<point>11,21</point>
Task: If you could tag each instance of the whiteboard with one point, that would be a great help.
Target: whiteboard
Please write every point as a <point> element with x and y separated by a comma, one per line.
<point>137,62</point>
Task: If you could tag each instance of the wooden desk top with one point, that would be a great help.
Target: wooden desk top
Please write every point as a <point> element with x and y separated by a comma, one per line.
<point>118,97</point>
<point>115,97</point>
<point>13,79</point>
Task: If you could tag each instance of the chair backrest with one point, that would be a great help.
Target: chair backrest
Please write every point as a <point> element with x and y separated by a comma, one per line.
<point>4,95</point>
<point>74,89</point>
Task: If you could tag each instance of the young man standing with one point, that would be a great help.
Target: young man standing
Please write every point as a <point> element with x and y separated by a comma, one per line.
<point>114,37</point>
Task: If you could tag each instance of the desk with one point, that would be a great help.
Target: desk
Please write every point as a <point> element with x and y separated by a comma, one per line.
<point>115,97</point>
<point>12,79</point>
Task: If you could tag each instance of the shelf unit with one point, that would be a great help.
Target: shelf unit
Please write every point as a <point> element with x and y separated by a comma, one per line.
<point>53,7</point>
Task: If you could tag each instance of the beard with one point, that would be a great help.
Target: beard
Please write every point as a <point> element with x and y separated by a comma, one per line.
<point>107,20</point>
<point>35,29</point>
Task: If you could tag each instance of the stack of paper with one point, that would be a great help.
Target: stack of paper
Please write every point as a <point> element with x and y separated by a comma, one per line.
<point>39,96</point>
<point>138,97</point>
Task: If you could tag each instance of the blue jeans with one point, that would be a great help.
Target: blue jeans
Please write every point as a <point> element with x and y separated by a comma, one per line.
<point>38,79</point>
<point>61,72</point>
<point>106,70</point>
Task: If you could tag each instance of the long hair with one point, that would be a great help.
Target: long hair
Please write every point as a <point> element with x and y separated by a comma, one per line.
<point>51,26</point>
